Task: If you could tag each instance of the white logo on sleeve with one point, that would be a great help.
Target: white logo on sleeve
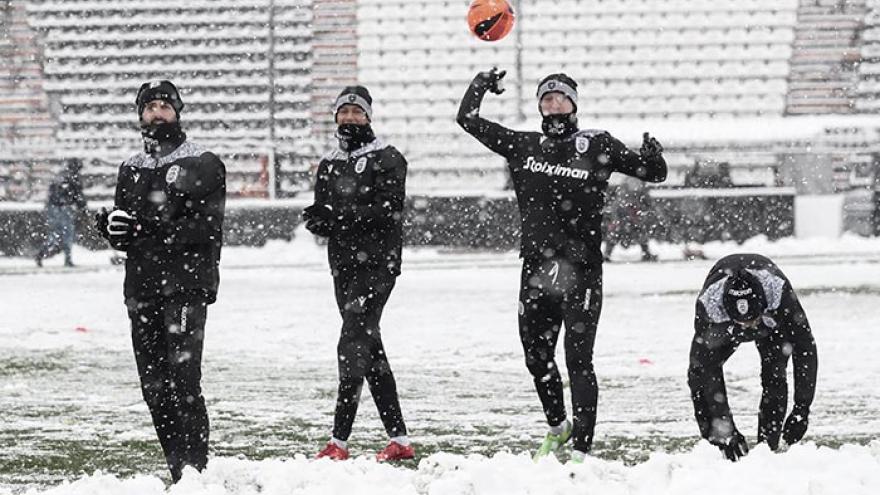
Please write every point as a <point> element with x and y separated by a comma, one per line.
<point>582,144</point>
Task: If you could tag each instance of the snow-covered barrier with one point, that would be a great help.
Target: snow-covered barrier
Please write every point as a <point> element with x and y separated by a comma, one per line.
<point>247,222</point>
<point>677,215</point>
<point>483,221</point>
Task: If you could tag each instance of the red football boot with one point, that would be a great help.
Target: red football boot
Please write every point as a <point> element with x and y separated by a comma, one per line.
<point>396,452</point>
<point>334,452</point>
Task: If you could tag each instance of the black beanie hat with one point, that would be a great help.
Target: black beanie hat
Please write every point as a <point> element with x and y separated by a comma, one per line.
<point>355,95</point>
<point>743,297</point>
<point>559,83</point>
<point>158,90</point>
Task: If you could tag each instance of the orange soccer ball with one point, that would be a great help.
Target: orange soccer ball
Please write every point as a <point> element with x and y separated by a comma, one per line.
<point>490,20</point>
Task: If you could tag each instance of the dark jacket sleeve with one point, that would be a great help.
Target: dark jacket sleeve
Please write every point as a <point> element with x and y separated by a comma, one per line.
<point>119,203</point>
<point>710,349</point>
<point>803,351</point>
<point>630,163</point>
<point>321,195</point>
<point>202,220</point>
<point>494,136</point>
<point>390,194</point>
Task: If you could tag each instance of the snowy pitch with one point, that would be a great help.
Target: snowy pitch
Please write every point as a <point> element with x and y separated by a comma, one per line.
<point>71,405</point>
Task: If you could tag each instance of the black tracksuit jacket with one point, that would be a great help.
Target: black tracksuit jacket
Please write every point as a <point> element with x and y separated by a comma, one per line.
<point>366,191</point>
<point>178,201</point>
<point>560,184</point>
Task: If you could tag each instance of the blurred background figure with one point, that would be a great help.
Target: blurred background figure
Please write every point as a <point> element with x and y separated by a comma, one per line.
<point>64,203</point>
<point>629,218</point>
<point>697,215</point>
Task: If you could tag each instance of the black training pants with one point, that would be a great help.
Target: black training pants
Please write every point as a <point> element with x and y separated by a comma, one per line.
<point>552,292</point>
<point>361,294</point>
<point>168,333</point>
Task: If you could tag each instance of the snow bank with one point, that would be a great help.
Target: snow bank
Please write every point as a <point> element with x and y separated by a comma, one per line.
<point>852,470</point>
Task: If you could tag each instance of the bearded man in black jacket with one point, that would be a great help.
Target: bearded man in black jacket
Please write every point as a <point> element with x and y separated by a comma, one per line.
<point>168,218</point>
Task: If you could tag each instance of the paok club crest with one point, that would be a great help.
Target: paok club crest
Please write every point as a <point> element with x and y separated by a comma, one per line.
<point>172,174</point>
<point>361,165</point>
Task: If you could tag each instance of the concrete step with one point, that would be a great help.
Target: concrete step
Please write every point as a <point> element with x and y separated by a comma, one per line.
<point>820,84</point>
<point>819,109</point>
<point>819,93</point>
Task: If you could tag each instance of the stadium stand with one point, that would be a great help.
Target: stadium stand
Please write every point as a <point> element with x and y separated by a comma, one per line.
<point>635,60</point>
<point>743,81</point>
<point>225,55</point>
<point>869,68</point>
<point>824,63</point>
<point>766,79</point>
<point>335,61</point>
<point>25,119</point>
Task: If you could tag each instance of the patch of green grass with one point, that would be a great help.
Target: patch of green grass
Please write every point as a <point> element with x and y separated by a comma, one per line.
<point>12,365</point>
<point>837,441</point>
<point>261,441</point>
<point>633,450</point>
<point>50,462</point>
<point>49,441</point>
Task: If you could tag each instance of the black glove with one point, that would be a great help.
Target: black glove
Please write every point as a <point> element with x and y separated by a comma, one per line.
<point>101,222</point>
<point>796,425</point>
<point>319,227</point>
<point>651,148</point>
<point>734,446</point>
<point>493,79</point>
<point>319,211</point>
<point>319,219</point>
<point>120,224</point>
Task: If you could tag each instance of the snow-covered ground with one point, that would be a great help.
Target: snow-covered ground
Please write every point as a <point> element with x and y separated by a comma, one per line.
<point>71,405</point>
